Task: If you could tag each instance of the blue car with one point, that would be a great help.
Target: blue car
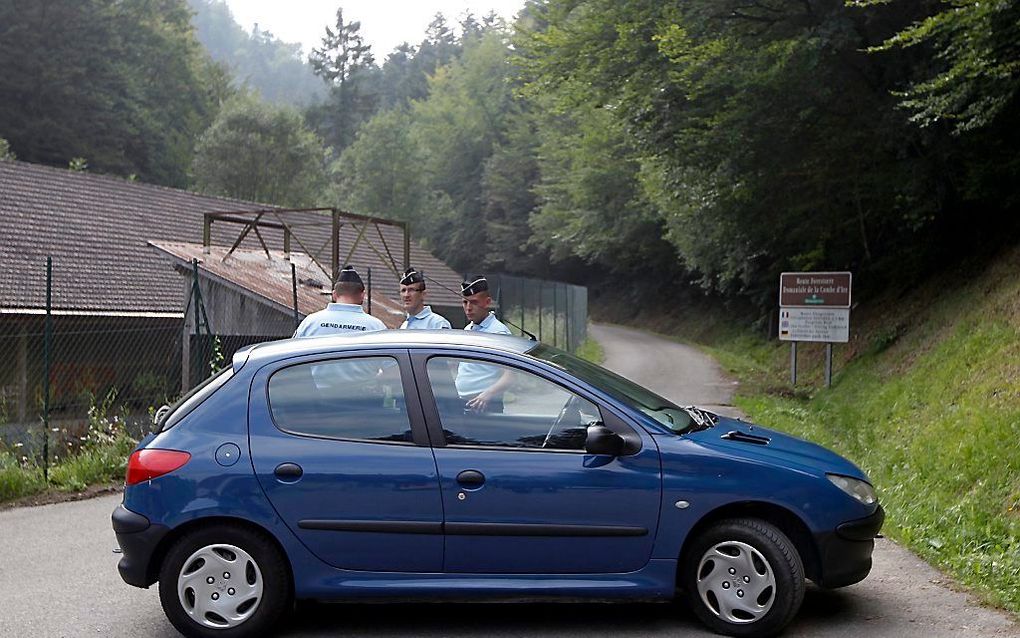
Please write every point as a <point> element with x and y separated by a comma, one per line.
<point>462,465</point>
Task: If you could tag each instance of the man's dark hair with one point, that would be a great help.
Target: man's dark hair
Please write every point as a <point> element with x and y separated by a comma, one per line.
<point>348,288</point>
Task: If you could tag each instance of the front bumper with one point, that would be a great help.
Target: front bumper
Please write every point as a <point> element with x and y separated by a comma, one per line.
<point>845,554</point>
<point>138,540</point>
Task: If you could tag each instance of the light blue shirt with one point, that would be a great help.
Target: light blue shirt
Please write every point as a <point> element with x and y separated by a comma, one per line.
<point>336,319</point>
<point>490,324</point>
<point>473,378</point>
<point>425,320</point>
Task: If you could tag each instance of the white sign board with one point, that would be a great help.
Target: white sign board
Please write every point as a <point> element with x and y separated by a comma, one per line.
<point>826,325</point>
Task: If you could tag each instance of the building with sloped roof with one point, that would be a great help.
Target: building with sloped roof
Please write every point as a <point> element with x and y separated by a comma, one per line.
<point>123,256</point>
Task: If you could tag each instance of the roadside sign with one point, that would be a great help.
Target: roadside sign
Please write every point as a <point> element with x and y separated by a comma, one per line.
<point>824,325</point>
<point>814,306</point>
<point>814,290</point>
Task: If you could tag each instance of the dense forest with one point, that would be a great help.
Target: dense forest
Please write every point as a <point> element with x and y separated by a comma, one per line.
<point>697,147</point>
<point>275,70</point>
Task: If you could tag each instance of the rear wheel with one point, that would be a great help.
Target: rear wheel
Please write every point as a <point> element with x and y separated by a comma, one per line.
<point>743,577</point>
<point>224,581</point>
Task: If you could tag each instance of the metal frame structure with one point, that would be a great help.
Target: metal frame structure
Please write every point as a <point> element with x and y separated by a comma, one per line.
<point>254,220</point>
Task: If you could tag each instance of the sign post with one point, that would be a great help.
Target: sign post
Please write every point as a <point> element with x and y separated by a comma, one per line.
<point>814,306</point>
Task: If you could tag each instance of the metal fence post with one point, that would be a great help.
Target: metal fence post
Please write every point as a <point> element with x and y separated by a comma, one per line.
<point>196,292</point>
<point>335,254</point>
<point>499,297</point>
<point>556,311</point>
<point>369,290</point>
<point>539,309</point>
<point>828,365</point>
<point>47,344</point>
<point>793,363</point>
<point>293,283</point>
<point>569,319</point>
<point>520,300</point>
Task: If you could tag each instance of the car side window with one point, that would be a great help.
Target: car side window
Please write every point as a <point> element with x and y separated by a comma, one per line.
<point>488,404</point>
<point>356,398</point>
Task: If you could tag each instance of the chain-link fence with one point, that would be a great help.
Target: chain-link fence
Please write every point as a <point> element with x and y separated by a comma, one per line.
<point>79,374</point>
<point>76,376</point>
<point>555,312</point>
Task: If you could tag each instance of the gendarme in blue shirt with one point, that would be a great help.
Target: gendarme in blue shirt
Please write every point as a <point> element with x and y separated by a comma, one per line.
<point>425,320</point>
<point>338,318</point>
<point>473,378</point>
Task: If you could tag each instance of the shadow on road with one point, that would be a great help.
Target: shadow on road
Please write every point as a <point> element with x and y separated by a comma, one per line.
<point>531,619</point>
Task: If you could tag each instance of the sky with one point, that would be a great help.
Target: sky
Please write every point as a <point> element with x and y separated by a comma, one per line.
<point>384,23</point>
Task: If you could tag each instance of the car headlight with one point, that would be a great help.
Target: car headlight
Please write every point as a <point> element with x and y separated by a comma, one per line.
<point>856,488</point>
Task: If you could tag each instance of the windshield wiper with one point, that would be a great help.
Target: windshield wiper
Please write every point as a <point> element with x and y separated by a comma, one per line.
<point>702,420</point>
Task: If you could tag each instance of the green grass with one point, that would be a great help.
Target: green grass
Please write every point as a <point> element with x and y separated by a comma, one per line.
<point>17,481</point>
<point>926,399</point>
<point>591,350</point>
<point>97,464</point>
<point>103,463</point>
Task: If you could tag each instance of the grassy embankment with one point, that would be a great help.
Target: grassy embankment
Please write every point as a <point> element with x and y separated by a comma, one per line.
<point>926,399</point>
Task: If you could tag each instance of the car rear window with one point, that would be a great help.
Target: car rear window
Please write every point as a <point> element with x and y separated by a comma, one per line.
<point>194,398</point>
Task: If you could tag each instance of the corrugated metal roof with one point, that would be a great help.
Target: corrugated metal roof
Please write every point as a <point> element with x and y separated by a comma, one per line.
<point>270,277</point>
<point>97,229</point>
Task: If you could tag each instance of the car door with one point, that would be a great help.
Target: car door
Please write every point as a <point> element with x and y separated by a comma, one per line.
<point>520,494</point>
<point>339,446</point>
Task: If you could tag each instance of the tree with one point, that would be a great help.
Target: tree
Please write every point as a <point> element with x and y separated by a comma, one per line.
<point>508,198</point>
<point>257,60</point>
<point>766,138</point>
<point>976,59</point>
<point>380,173</point>
<point>345,63</point>
<point>591,203</point>
<point>457,129</point>
<point>440,46</point>
<point>261,153</point>
<point>402,79</point>
<point>343,52</point>
<point>6,154</point>
<point>123,83</point>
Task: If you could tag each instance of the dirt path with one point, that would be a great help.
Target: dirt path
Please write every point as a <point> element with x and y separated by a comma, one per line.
<point>903,596</point>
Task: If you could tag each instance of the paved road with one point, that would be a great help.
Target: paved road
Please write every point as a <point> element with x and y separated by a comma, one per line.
<point>676,371</point>
<point>903,596</point>
<point>58,574</point>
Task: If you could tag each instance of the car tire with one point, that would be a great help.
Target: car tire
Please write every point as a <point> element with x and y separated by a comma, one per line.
<point>224,581</point>
<point>743,577</point>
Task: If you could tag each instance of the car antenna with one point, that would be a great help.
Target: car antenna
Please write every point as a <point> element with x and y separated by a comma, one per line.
<point>523,331</point>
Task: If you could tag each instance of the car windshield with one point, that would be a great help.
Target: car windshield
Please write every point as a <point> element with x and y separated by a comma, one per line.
<point>677,419</point>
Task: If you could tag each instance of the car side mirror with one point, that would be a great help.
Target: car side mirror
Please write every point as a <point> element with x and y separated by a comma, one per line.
<point>602,440</point>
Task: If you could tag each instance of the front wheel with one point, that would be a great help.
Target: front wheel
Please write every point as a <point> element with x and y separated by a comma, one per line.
<point>743,577</point>
<point>224,581</point>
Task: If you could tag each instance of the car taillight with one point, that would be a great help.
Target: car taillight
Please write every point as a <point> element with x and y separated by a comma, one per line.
<point>148,464</point>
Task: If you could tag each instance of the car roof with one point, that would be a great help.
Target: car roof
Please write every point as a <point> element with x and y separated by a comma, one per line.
<point>285,348</point>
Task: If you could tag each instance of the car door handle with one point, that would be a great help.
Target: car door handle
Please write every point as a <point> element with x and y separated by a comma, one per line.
<point>470,479</point>
<point>288,472</point>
